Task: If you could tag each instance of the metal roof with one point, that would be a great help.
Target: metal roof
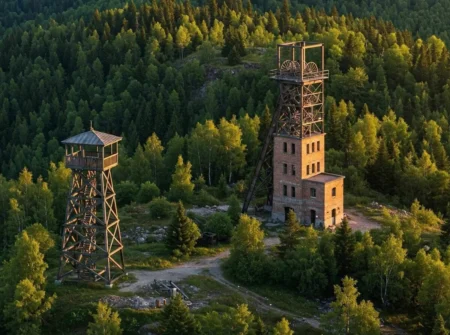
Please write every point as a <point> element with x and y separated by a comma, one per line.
<point>93,137</point>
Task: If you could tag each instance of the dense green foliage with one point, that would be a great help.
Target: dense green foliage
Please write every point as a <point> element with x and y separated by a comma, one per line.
<point>177,319</point>
<point>23,297</point>
<point>105,321</point>
<point>387,124</point>
<point>157,74</point>
<point>389,268</point>
<point>347,316</point>
<point>422,17</point>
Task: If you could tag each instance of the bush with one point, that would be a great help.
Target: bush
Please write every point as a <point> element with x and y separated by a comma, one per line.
<point>147,192</point>
<point>203,198</point>
<point>250,268</point>
<point>220,224</point>
<point>126,192</point>
<point>160,208</point>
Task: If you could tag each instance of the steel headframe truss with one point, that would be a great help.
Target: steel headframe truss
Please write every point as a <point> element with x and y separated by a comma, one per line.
<point>300,111</point>
<point>92,246</point>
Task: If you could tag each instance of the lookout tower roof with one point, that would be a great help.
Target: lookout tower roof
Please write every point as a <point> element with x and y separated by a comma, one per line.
<point>93,137</point>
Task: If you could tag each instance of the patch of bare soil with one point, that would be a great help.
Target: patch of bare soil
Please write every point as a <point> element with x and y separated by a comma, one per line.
<point>359,221</point>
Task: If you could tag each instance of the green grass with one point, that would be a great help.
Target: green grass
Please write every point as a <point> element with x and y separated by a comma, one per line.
<point>287,300</point>
<point>74,303</point>
<point>221,298</point>
<point>156,256</point>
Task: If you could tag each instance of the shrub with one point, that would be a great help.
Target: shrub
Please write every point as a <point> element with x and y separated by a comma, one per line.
<point>126,192</point>
<point>160,208</point>
<point>220,224</point>
<point>147,192</point>
<point>203,198</point>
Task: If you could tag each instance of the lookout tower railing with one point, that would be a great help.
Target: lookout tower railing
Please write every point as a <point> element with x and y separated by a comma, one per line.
<point>93,161</point>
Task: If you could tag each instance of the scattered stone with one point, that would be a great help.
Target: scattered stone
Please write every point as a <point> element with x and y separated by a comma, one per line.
<point>208,210</point>
<point>135,302</point>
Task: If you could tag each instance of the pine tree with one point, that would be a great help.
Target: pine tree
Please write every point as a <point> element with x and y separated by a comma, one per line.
<point>105,322</point>
<point>285,17</point>
<point>282,328</point>
<point>183,233</point>
<point>344,248</point>
<point>177,319</point>
<point>182,188</point>
<point>290,237</point>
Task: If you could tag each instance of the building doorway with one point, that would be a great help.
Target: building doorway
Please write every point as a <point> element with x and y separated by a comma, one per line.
<point>286,212</point>
<point>333,217</point>
<point>313,217</point>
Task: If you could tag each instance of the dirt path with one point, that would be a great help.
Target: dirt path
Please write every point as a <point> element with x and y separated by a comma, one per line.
<point>211,266</point>
<point>359,221</point>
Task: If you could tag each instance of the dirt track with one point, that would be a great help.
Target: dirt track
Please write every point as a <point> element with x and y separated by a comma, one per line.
<point>211,266</point>
<point>360,222</point>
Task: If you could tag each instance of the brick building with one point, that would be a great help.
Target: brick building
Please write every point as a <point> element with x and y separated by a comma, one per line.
<point>300,182</point>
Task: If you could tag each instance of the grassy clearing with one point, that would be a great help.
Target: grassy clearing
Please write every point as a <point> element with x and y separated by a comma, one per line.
<point>287,300</point>
<point>156,256</point>
<point>220,298</point>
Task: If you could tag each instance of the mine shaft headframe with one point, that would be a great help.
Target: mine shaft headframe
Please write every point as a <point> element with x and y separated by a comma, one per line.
<point>300,73</point>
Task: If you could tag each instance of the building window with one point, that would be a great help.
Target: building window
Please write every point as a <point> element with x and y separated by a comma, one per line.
<point>285,190</point>
<point>285,168</point>
<point>313,146</point>
<point>284,147</point>
<point>293,170</point>
<point>307,169</point>
<point>318,145</point>
<point>293,148</point>
<point>333,192</point>
<point>313,168</point>
<point>293,191</point>
<point>307,148</point>
<point>318,166</point>
<point>312,192</point>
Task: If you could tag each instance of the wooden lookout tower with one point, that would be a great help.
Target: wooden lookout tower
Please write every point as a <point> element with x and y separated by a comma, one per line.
<point>92,246</point>
<point>292,162</point>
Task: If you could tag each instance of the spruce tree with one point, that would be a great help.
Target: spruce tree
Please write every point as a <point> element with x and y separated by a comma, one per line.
<point>290,237</point>
<point>266,122</point>
<point>183,233</point>
<point>234,209</point>
<point>233,57</point>
<point>177,319</point>
<point>345,247</point>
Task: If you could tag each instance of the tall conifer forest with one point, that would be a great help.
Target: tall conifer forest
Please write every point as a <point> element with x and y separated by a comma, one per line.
<point>187,87</point>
